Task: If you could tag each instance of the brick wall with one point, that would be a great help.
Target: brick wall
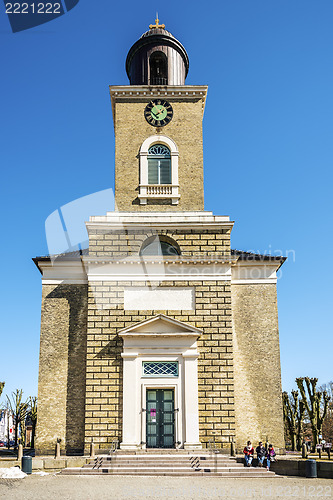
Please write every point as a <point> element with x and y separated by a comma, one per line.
<point>61,384</point>
<point>104,364</point>
<point>192,243</point>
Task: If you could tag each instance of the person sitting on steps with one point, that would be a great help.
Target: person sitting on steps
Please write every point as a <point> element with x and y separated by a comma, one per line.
<point>270,456</point>
<point>261,453</point>
<point>248,454</point>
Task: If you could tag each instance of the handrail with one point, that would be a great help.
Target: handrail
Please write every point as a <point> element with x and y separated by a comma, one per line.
<point>114,445</point>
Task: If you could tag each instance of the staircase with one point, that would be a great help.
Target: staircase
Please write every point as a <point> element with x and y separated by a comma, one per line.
<point>177,463</point>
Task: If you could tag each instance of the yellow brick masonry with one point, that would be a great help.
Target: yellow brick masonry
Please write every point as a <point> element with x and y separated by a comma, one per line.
<point>192,243</point>
<point>106,316</point>
<point>61,383</point>
<point>185,129</point>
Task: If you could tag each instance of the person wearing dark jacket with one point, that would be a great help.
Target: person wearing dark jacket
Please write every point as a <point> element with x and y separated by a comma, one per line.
<point>248,454</point>
<point>261,453</point>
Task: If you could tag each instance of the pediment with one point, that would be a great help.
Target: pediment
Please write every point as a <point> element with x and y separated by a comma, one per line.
<point>160,325</point>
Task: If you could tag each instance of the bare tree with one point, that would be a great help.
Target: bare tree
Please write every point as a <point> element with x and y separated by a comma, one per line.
<point>315,402</point>
<point>19,410</point>
<point>328,420</point>
<point>293,412</point>
<point>33,416</point>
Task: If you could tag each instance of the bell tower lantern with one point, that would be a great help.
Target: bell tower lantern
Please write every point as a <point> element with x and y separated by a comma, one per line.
<point>157,58</point>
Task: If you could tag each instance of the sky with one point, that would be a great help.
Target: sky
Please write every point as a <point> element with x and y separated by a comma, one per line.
<point>268,149</point>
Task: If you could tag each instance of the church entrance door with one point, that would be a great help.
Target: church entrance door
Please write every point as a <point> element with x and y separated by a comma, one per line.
<point>160,429</point>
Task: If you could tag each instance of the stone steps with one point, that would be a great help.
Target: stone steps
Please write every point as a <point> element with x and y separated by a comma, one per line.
<point>172,464</point>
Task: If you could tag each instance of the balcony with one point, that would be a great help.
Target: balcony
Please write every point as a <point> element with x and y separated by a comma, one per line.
<point>158,191</point>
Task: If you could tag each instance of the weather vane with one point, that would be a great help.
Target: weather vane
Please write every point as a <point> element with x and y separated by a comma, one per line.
<point>157,25</point>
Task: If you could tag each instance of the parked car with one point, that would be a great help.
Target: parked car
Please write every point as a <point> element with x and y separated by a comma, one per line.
<point>2,444</point>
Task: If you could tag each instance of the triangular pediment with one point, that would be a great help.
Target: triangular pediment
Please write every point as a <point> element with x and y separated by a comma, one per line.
<point>160,325</point>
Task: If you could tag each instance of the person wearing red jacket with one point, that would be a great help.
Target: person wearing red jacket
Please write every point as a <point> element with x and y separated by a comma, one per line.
<point>248,454</point>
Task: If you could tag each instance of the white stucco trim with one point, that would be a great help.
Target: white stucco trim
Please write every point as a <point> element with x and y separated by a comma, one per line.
<point>166,298</point>
<point>157,271</point>
<point>158,220</point>
<point>255,272</point>
<point>63,272</point>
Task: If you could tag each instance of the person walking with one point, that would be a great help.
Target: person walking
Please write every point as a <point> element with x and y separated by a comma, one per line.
<point>248,454</point>
<point>261,453</point>
<point>270,456</point>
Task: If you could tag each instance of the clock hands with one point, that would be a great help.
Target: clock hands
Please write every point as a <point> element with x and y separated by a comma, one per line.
<point>158,111</point>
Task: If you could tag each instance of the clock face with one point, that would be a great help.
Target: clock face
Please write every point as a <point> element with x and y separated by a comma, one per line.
<point>158,112</point>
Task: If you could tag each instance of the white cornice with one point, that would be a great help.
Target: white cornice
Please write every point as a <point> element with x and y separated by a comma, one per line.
<point>254,272</point>
<point>63,272</point>
<point>159,220</point>
<point>172,92</point>
<point>159,259</point>
<point>160,326</point>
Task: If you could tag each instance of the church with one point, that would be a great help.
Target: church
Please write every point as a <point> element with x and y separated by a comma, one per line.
<point>159,334</point>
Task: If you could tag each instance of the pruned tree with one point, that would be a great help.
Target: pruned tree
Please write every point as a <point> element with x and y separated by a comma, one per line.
<point>293,412</point>
<point>33,416</point>
<point>316,404</point>
<point>328,420</point>
<point>19,410</point>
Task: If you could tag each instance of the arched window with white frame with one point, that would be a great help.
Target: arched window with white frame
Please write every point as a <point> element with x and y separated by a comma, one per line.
<point>159,164</point>
<point>158,170</point>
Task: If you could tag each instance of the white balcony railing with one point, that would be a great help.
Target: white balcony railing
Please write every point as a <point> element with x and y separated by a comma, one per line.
<point>162,191</point>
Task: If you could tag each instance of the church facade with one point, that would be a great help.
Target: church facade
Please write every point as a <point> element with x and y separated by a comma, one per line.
<point>159,335</point>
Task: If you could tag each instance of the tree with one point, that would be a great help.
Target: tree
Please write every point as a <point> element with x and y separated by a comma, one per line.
<point>2,385</point>
<point>19,410</point>
<point>328,420</point>
<point>316,404</point>
<point>293,412</point>
<point>33,416</point>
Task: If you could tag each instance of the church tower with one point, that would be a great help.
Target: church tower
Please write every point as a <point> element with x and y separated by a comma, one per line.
<point>159,335</point>
<point>158,128</point>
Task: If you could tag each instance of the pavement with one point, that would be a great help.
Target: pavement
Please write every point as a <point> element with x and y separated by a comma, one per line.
<point>54,486</point>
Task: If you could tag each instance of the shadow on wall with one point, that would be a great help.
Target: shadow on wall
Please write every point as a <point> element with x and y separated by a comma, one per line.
<point>77,298</point>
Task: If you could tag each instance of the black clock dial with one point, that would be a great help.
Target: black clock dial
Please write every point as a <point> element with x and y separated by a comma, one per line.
<point>158,112</point>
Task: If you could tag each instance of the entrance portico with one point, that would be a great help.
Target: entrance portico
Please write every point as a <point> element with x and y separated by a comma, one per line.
<point>160,361</point>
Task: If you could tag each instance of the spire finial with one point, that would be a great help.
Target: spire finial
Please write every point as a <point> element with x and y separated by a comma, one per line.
<point>157,25</point>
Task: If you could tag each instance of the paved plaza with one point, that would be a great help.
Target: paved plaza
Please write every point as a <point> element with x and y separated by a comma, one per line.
<point>116,487</point>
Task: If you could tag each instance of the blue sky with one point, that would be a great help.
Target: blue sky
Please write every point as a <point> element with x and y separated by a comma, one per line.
<point>268,148</point>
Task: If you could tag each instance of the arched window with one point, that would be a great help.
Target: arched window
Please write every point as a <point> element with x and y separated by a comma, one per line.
<point>160,245</point>
<point>158,171</point>
<point>159,164</point>
<point>158,64</point>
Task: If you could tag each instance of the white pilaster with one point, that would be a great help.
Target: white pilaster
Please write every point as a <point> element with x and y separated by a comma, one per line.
<point>130,410</point>
<point>191,401</point>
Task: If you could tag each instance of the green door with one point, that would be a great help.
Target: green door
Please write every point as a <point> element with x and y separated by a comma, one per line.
<point>160,418</point>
